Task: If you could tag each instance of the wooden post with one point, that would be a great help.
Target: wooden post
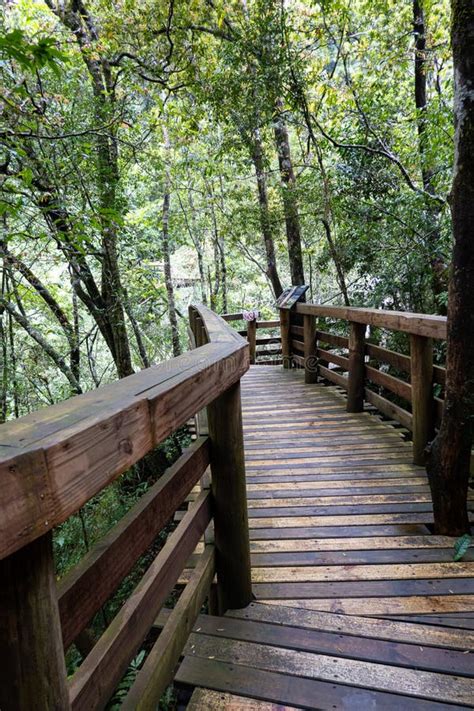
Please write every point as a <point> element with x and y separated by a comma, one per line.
<point>228,487</point>
<point>32,670</point>
<point>285,325</point>
<point>310,360</point>
<point>355,391</point>
<point>252,339</point>
<point>421,351</point>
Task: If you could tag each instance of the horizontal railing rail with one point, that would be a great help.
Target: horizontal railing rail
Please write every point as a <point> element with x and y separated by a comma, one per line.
<point>361,367</point>
<point>53,461</point>
<point>263,350</point>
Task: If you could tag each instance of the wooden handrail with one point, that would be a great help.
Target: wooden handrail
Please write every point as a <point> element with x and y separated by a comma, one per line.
<point>418,324</point>
<point>55,460</point>
<point>421,329</point>
<point>251,335</point>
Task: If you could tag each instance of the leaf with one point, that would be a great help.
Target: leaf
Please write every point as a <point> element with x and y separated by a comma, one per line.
<point>461,546</point>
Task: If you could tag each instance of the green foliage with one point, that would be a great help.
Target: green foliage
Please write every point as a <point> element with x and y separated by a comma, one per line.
<point>461,546</point>
<point>31,54</point>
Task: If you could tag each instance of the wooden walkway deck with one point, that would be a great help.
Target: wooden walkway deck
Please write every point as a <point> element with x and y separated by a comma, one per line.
<point>357,605</point>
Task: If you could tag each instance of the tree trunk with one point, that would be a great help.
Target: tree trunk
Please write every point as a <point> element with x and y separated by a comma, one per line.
<point>432,208</point>
<point>290,205</point>
<point>449,460</point>
<point>341,279</point>
<point>258,162</point>
<point>165,246</point>
<point>43,342</point>
<point>76,18</point>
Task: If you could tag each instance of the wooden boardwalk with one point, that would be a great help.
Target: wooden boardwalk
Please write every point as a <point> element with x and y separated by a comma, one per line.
<point>357,604</point>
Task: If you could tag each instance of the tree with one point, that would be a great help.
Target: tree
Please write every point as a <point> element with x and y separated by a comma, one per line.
<point>449,459</point>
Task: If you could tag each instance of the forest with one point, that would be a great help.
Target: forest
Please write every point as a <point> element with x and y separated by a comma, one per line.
<point>157,154</point>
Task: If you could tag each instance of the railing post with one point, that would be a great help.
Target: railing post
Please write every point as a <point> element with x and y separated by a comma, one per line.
<point>421,352</point>
<point>252,339</point>
<point>355,390</point>
<point>228,486</point>
<point>310,360</point>
<point>32,671</point>
<point>285,325</point>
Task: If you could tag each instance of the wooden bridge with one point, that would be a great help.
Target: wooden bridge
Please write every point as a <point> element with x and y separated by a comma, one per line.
<point>331,591</point>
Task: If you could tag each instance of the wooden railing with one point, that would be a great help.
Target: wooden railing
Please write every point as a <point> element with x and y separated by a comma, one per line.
<point>265,349</point>
<point>309,345</point>
<point>55,460</point>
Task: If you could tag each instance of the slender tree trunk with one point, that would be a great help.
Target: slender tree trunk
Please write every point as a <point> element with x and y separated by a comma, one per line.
<point>165,246</point>
<point>341,279</point>
<point>449,460</point>
<point>76,17</point>
<point>259,165</point>
<point>290,205</point>
<point>193,232</point>
<point>75,357</point>
<point>136,331</point>
<point>4,350</point>
<point>432,209</point>
<point>43,342</point>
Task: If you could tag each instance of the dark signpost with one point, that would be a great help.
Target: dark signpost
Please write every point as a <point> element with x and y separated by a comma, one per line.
<point>290,296</point>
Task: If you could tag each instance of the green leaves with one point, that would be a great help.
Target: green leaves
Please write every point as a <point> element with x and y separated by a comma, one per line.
<point>461,546</point>
<point>31,55</point>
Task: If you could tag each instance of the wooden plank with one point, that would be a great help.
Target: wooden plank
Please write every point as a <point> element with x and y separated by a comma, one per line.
<point>415,571</point>
<point>365,543</point>
<point>353,672</point>
<point>421,634</point>
<point>389,382</point>
<point>89,585</point>
<point>208,700</point>
<point>346,509</point>
<point>268,324</point>
<point>95,680</point>
<point>281,688</point>
<point>232,317</point>
<point>363,589</point>
<point>157,672</point>
<point>389,408</point>
<point>334,377</point>
<point>384,606</point>
<point>330,357</point>
<point>332,339</point>
<point>418,324</point>
<point>298,359</point>
<point>336,644</point>
<point>297,345</point>
<point>439,374</point>
<point>336,531</point>
<point>296,330</point>
<point>397,360</point>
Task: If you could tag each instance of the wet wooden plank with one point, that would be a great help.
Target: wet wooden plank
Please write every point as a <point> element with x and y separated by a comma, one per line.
<point>285,689</point>
<point>338,644</point>
<point>420,634</point>
<point>353,672</point>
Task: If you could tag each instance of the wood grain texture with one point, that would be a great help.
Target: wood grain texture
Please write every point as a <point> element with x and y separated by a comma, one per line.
<point>418,324</point>
<point>89,585</point>
<point>157,672</point>
<point>54,460</point>
<point>32,670</point>
<point>94,682</point>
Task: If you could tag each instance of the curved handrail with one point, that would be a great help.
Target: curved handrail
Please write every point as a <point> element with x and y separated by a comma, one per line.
<point>54,460</point>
